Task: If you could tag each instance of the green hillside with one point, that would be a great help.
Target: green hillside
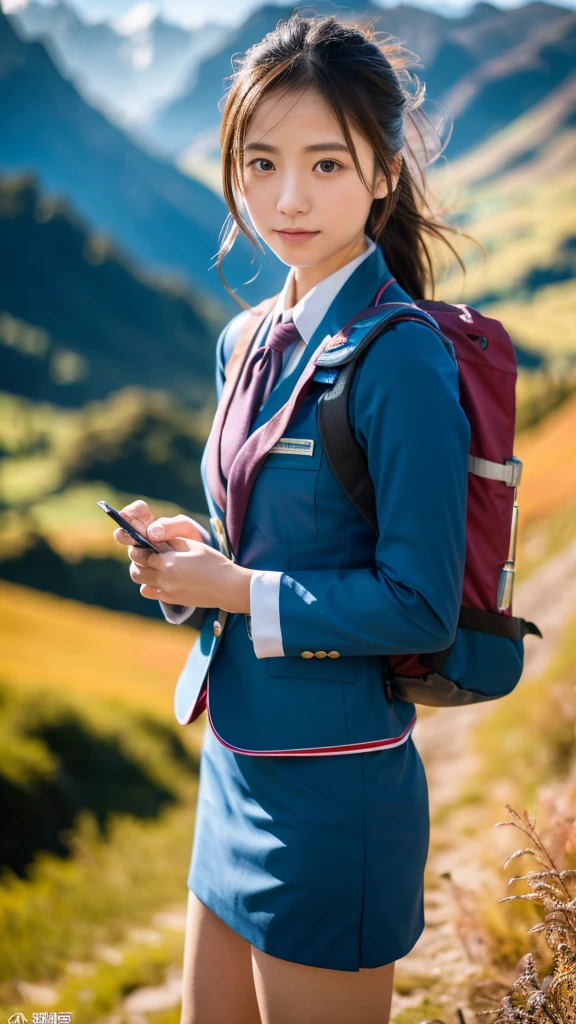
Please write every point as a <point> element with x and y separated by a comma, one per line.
<point>57,463</point>
<point>77,320</point>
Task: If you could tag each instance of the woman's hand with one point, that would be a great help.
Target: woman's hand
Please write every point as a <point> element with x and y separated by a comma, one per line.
<point>187,571</point>
<point>140,516</point>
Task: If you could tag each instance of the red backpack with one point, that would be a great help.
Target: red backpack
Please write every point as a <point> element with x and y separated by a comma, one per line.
<point>486,658</point>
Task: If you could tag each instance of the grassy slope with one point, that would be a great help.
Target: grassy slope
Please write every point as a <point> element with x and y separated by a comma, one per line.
<point>90,652</point>
<point>547,493</point>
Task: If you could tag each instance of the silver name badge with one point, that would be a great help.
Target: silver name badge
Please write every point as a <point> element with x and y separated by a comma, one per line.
<point>293,446</point>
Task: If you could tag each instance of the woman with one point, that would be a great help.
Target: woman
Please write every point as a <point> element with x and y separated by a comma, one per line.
<point>306,881</point>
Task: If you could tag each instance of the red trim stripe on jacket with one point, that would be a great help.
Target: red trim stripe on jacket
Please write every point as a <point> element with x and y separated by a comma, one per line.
<point>345,748</point>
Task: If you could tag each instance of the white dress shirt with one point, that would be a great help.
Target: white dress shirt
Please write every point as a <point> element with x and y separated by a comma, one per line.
<point>307,314</point>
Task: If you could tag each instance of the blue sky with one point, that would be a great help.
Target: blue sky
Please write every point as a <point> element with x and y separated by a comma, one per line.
<point>191,13</point>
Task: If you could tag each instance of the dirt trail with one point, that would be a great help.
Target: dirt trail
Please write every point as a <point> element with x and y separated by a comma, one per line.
<point>548,598</point>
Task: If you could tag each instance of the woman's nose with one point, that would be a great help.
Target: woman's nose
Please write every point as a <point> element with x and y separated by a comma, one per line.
<point>292,198</point>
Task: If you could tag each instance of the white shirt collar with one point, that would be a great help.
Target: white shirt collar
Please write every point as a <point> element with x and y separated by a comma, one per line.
<point>309,312</point>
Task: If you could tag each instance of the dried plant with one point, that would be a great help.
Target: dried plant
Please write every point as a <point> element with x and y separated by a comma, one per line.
<point>550,999</point>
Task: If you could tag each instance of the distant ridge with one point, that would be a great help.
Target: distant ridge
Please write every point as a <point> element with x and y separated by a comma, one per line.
<point>458,58</point>
<point>165,220</point>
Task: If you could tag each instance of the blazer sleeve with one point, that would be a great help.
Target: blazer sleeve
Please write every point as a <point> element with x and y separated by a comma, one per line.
<point>176,614</point>
<point>404,408</point>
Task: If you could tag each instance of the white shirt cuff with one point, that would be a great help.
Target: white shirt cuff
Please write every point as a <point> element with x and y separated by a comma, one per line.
<point>265,614</point>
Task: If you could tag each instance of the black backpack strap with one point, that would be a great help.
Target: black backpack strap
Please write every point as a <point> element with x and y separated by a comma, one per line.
<point>345,456</point>
<point>510,626</point>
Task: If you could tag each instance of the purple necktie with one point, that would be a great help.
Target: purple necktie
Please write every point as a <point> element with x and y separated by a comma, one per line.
<point>258,377</point>
<point>233,498</point>
<point>255,450</point>
<point>239,406</point>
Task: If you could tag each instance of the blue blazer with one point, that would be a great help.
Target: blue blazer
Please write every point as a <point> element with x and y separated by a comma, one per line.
<point>343,591</point>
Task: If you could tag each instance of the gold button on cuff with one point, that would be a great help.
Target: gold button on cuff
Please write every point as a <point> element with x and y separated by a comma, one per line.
<point>333,654</point>
<point>321,654</point>
<point>216,628</point>
<point>307,654</point>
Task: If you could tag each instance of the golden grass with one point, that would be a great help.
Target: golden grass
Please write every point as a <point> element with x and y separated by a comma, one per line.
<point>548,452</point>
<point>547,493</point>
<point>90,651</point>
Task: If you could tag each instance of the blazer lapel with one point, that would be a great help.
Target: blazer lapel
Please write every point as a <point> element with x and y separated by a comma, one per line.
<point>358,292</point>
<point>211,460</point>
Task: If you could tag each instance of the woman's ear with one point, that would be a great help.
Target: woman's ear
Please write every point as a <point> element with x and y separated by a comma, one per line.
<point>381,189</point>
<point>398,161</point>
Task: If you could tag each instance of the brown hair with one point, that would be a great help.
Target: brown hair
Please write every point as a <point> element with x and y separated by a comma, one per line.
<point>362,80</point>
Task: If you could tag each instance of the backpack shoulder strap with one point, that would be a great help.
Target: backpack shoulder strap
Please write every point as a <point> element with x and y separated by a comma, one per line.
<point>345,456</point>
<point>245,337</point>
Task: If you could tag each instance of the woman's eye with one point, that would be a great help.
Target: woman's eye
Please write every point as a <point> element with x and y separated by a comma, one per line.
<point>259,160</point>
<point>263,160</point>
<point>333,162</point>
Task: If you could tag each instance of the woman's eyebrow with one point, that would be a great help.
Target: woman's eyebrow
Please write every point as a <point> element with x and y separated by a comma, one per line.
<point>317,147</point>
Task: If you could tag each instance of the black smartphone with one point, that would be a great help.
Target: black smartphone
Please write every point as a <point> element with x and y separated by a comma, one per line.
<point>141,542</point>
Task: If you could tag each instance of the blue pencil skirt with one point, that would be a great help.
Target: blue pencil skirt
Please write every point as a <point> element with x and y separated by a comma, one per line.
<point>318,860</point>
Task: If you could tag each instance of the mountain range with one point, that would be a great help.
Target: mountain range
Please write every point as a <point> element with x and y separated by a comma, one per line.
<point>165,220</point>
<point>488,67</point>
<point>166,83</point>
<point>127,68</point>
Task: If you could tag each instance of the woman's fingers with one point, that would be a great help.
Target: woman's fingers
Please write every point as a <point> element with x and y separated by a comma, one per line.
<point>141,572</point>
<point>168,527</point>
<point>139,555</point>
<point>139,515</point>
<point>138,510</point>
<point>152,593</point>
<point>144,574</point>
<point>121,537</point>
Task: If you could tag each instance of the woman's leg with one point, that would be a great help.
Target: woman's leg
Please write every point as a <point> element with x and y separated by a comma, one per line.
<point>290,993</point>
<point>217,983</point>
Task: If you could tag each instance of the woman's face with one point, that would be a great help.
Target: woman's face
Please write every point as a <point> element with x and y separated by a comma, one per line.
<point>299,173</point>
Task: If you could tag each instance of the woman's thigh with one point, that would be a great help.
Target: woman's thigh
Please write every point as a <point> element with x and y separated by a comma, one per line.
<point>291,993</point>
<point>217,980</point>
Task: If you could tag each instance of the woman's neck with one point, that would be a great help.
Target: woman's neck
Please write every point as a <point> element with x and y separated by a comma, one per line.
<point>305,278</point>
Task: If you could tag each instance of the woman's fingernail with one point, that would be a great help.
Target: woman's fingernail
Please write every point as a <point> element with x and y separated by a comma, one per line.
<point>157,532</point>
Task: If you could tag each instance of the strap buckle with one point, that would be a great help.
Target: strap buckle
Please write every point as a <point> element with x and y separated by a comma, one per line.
<point>516,471</point>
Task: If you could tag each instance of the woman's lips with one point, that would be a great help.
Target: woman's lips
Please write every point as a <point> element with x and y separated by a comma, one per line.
<point>296,236</point>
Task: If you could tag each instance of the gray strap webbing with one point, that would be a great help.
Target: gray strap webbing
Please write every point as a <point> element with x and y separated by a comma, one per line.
<point>509,472</point>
